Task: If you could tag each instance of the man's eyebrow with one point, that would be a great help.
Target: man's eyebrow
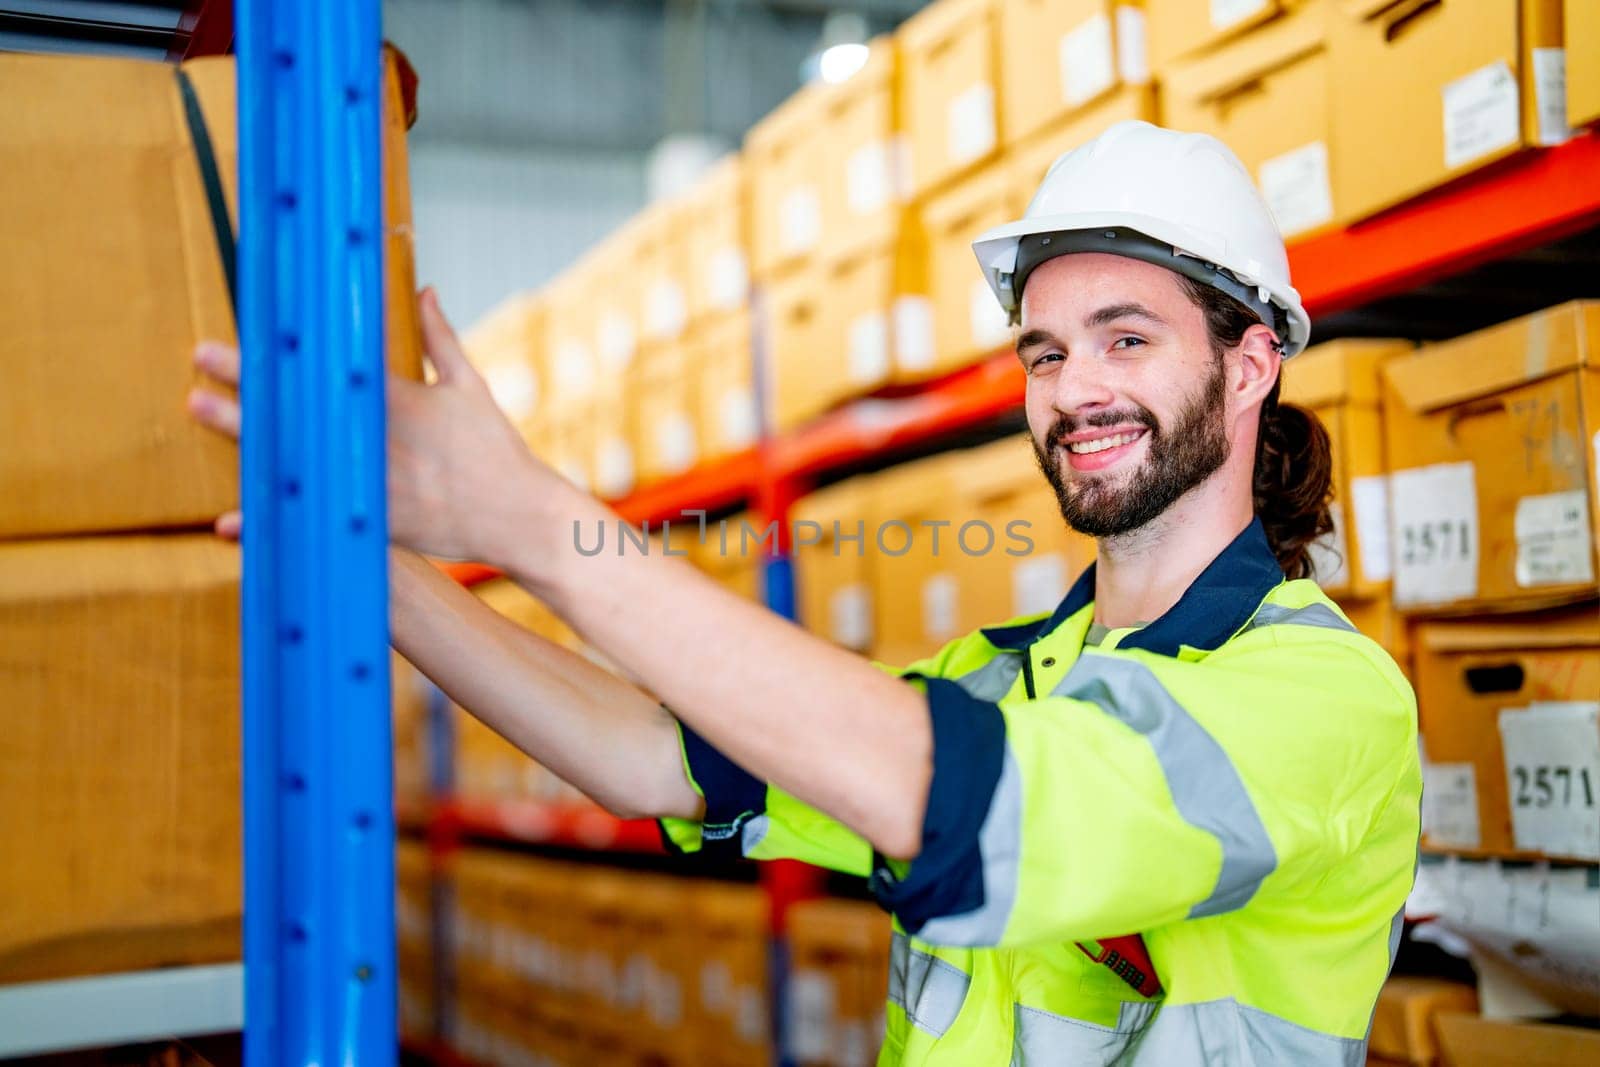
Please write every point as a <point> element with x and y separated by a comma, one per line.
<point>1112,312</point>
<point>1034,338</point>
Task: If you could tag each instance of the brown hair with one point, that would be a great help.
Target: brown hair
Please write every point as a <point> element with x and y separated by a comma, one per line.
<point>1293,481</point>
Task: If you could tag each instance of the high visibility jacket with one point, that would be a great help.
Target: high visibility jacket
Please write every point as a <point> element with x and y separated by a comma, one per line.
<point>1237,781</point>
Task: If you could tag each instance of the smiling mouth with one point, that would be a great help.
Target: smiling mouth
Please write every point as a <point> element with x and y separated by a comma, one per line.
<point>1101,444</point>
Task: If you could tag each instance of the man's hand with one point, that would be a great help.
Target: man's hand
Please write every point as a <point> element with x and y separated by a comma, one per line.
<point>461,480</point>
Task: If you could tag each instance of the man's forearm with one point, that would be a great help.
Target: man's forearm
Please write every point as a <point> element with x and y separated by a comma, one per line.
<point>595,730</point>
<point>820,722</point>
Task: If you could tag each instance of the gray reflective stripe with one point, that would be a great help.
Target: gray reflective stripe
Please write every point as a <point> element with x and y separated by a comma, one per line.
<point>1225,1033</point>
<point>1000,851</point>
<point>929,990</point>
<point>994,679</point>
<point>1310,615</point>
<point>1204,784</point>
<point>753,833</point>
<point>1042,1037</point>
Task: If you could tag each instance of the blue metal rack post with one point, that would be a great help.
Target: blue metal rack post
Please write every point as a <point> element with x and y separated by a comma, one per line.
<point>319,825</point>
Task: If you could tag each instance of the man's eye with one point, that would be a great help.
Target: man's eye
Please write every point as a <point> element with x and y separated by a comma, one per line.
<point>1048,357</point>
<point>1128,342</point>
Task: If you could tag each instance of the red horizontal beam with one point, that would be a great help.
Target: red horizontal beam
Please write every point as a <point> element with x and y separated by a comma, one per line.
<point>1531,199</point>
<point>580,826</point>
<point>713,485</point>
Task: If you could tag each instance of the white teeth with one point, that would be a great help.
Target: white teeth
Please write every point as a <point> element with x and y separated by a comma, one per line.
<point>1100,444</point>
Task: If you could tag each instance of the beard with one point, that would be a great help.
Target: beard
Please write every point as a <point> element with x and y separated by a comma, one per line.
<point>1180,458</point>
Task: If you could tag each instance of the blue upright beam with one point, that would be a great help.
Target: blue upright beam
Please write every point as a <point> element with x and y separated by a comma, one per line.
<point>319,834</point>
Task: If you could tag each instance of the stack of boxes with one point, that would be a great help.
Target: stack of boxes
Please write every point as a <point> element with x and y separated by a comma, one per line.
<point>413,918</point>
<point>838,982</point>
<point>566,963</point>
<point>119,611</point>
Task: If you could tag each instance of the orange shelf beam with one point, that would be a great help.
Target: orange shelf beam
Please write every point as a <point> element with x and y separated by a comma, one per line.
<point>577,825</point>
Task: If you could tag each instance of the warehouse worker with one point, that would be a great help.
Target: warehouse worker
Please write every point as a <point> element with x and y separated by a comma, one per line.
<point>1195,746</point>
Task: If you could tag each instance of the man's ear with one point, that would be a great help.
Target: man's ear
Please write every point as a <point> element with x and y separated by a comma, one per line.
<point>1258,358</point>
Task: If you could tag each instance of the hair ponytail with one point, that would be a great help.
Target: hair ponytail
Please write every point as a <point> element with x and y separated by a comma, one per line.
<point>1293,482</point>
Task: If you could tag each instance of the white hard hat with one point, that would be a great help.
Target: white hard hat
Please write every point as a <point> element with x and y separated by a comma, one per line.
<point>1179,200</point>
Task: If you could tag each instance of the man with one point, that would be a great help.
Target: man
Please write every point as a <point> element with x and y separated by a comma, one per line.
<point>1192,747</point>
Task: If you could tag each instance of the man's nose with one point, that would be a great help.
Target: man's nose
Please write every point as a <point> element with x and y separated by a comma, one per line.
<point>1081,388</point>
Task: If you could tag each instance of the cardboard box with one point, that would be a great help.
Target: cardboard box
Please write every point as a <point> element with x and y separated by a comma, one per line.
<point>839,951</point>
<point>1402,1024</point>
<point>615,463</point>
<point>1473,1041</point>
<point>968,323</point>
<point>1061,56</point>
<point>413,911</point>
<point>865,183</point>
<point>731,992</point>
<point>410,725</point>
<point>1470,671</point>
<point>1581,20</point>
<point>915,566</point>
<point>1492,491</point>
<point>611,297</point>
<point>949,90</point>
<point>114,278</point>
<point>786,163</point>
<point>1184,27</point>
<point>662,272</point>
<point>833,588</point>
<point>1427,93</point>
<point>506,346</point>
<point>1266,96</point>
<point>718,242</point>
<point>722,372</point>
<point>119,769</point>
<point>668,423</point>
<point>733,551</point>
<point>1029,160</point>
<point>572,365</point>
<point>1339,383</point>
<point>1021,557</point>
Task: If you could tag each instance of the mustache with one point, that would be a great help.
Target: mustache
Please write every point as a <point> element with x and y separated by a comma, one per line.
<point>1067,424</point>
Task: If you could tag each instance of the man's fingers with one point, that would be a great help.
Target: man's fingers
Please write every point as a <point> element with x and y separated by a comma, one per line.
<point>220,361</point>
<point>212,409</point>
<point>440,343</point>
<point>229,524</point>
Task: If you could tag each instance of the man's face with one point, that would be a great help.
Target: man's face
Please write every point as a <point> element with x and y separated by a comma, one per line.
<point>1126,400</point>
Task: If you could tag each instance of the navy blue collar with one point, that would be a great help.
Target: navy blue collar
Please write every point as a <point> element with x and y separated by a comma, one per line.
<point>1213,608</point>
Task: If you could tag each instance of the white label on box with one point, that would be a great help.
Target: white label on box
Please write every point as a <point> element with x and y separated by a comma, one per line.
<point>1369,500</point>
<point>851,1046</point>
<point>668,314</point>
<point>1330,553</point>
<point>913,332</point>
<point>970,124</point>
<point>900,166</point>
<point>1434,514</point>
<point>799,220</point>
<point>675,441</point>
<point>616,340</point>
<point>750,1018</point>
<point>940,606</point>
<point>613,467</point>
<point>1133,55</point>
<point>1550,94</point>
<point>1225,13</point>
<point>1552,754</point>
<point>1038,583</point>
<point>514,388</point>
<point>812,1007</point>
<point>850,616</point>
<point>1554,546</point>
<point>728,277</point>
<point>1481,114</point>
<point>1296,188</point>
<point>990,325</point>
<point>869,348</point>
<point>1085,59</point>
<point>1450,805</point>
<point>737,417</point>
<point>869,181</point>
<point>574,368</point>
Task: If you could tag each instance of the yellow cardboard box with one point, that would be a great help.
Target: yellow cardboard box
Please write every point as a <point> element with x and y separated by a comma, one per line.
<point>615,465</point>
<point>1031,159</point>
<point>668,435</point>
<point>1266,96</point>
<point>1184,27</point>
<point>1489,439</point>
<point>662,272</point>
<point>786,163</point>
<point>1060,56</point>
<point>865,181</point>
<point>968,322</point>
<point>1428,92</point>
<point>733,552</point>
<point>839,981</point>
<point>506,346</point>
<point>913,559</point>
<point>721,370</point>
<point>1473,1041</point>
<point>1582,31</point>
<point>572,366</point>
<point>719,242</point>
<point>119,772</point>
<point>730,996</point>
<point>1402,1024</point>
<point>120,279</point>
<point>1474,675</point>
<point>832,578</point>
<point>949,90</point>
<point>1339,383</point>
<point>610,297</point>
